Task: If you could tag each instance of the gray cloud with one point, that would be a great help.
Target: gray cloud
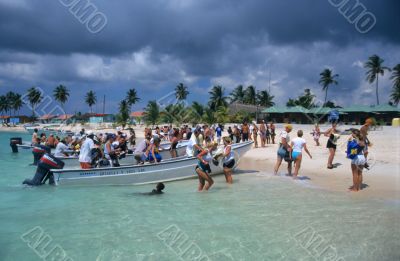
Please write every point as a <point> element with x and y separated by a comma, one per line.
<point>156,44</point>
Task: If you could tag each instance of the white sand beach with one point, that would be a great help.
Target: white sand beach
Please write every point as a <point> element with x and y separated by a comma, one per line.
<point>382,180</point>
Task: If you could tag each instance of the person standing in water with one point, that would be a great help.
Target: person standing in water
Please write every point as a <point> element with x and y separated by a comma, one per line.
<point>355,152</point>
<point>297,145</point>
<point>228,160</point>
<point>34,136</point>
<point>333,135</point>
<point>203,168</point>
<point>174,142</point>
<point>284,151</point>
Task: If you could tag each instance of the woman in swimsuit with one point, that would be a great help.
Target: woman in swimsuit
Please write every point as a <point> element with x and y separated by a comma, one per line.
<point>297,145</point>
<point>267,135</point>
<point>333,135</point>
<point>174,143</point>
<point>255,131</point>
<point>272,127</point>
<point>228,160</point>
<point>203,169</point>
<point>356,154</point>
<point>262,133</point>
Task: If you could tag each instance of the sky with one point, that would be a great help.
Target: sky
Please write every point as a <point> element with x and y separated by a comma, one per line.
<point>281,45</point>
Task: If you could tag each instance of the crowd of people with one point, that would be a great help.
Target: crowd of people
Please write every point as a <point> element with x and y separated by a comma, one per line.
<point>203,141</point>
<point>105,149</point>
<point>291,150</point>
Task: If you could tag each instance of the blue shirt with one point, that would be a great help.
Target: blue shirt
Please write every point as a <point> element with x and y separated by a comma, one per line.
<point>219,131</point>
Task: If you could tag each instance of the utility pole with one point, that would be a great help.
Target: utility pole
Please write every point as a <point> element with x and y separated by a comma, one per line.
<point>104,104</point>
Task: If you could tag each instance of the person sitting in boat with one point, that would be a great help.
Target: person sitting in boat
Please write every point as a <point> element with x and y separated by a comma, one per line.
<point>203,168</point>
<point>132,140</point>
<point>51,141</point>
<point>43,139</point>
<point>85,158</point>
<point>109,151</point>
<point>154,152</point>
<point>62,149</point>
<point>140,150</point>
<point>120,145</point>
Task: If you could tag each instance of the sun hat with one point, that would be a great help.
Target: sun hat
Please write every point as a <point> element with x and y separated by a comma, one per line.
<point>289,126</point>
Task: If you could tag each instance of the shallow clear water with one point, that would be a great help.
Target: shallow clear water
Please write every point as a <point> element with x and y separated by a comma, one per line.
<point>258,218</point>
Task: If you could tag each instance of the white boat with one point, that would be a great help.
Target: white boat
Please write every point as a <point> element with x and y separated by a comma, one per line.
<point>72,162</point>
<point>169,170</point>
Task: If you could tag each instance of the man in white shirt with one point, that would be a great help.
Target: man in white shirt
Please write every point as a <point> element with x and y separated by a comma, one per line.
<point>85,157</point>
<point>192,144</point>
<point>62,148</point>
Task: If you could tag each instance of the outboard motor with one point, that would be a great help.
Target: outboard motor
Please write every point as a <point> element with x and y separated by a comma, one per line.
<point>38,151</point>
<point>43,172</point>
<point>14,142</point>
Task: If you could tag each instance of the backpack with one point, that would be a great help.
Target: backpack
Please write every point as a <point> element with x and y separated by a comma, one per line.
<point>352,149</point>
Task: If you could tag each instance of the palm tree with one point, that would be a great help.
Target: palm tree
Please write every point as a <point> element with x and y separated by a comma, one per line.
<point>91,99</point>
<point>152,112</point>
<point>238,94</point>
<point>10,101</point>
<point>250,96</point>
<point>123,115</point>
<point>34,98</point>
<point>132,97</point>
<point>61,94</point>
<point>265,99</point>
<point>395,95</point>
<point>374,69</point>
<point>17,102</point>
<point>222,115</point>
<point>181,92</point>
<point>327,78</point>
<point>3,104</point>
<point>217,97</point>
<point>209,116</point>
<point>196,112</point>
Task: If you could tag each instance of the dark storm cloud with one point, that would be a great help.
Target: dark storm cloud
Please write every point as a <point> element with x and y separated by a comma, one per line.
<point>186,28</point>
<point>155,44</point>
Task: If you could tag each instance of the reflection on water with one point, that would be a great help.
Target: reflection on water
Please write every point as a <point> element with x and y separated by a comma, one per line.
<point>258,218</point>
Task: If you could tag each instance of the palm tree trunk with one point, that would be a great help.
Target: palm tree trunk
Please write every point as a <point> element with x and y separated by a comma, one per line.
<point>377,86</point>
<point>326,96</point>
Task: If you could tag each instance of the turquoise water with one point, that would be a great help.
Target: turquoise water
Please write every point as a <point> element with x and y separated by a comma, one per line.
<point>258,218</point>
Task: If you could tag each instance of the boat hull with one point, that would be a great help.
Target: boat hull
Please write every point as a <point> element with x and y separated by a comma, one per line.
<point>170,170</point>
